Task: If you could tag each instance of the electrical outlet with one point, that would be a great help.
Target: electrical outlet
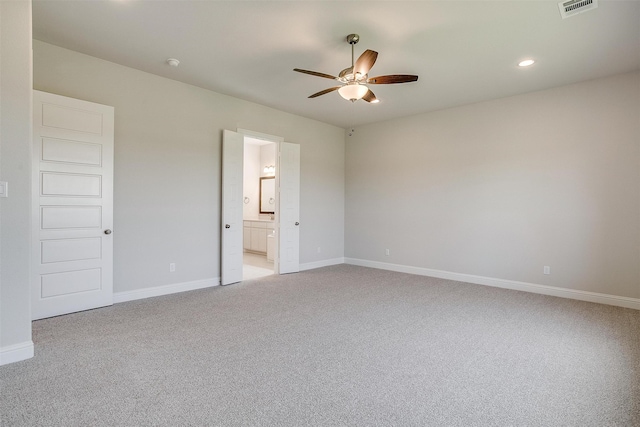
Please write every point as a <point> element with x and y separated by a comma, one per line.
<point>547,269</point>
<point>172,267</point>
<point>387,252</point>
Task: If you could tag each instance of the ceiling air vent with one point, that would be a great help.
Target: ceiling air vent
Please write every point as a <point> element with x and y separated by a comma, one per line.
<point>574,7</point>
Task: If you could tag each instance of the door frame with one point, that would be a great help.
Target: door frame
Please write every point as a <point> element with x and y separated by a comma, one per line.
<point>276,221</point>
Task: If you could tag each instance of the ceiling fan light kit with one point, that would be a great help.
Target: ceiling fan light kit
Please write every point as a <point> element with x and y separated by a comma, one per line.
<point>353,91</point>
<point>354,79</point>
<point>526,63</point>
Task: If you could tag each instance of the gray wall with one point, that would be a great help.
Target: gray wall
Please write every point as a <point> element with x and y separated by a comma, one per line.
<point>15,167</point>
<point>502,188</point>
<point>167,167</point>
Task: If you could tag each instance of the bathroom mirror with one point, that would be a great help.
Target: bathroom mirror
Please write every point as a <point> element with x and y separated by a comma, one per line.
<point>268,195</point>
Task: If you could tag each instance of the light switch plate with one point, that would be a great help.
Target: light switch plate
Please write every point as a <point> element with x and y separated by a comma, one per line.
<point>4,189</point>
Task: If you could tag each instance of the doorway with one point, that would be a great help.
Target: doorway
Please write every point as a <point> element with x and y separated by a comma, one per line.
<point>286,212</point>
<point>259,207</point>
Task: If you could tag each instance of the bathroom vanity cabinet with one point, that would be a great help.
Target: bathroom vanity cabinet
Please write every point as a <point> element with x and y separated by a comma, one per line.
<point>255,235</point>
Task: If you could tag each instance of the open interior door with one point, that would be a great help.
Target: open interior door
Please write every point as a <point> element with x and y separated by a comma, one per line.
<point>231,240</point>
<point>289,210</point>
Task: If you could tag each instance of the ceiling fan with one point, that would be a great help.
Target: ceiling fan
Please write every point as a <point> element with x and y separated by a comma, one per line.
<point>354,79</point>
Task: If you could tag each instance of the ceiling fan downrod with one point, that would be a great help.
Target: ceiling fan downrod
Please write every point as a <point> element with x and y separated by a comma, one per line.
<point>353,39</point>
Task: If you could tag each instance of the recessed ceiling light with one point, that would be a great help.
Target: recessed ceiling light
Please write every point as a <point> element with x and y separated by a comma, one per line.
<point>526,63</point>
<point>173,62</point>
<point>375,101</point>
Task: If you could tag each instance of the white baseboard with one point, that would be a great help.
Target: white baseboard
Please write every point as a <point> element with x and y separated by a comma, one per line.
<point>322,263</point>
<point>16,352</point>
<point>502,283</point>
<point>157,291</point>
<point>199,284</point>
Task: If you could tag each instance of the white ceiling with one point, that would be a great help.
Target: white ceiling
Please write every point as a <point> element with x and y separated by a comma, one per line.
<point>463,51</point>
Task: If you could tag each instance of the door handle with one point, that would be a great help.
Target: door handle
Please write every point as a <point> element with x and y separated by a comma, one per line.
<point>107,231</point>
<point>297,223</point>
<point>227,226</point>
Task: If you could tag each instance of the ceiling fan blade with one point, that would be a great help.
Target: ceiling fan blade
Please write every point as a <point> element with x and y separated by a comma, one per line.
<point>365,62</point>
<point>393,78</point>
<point>322,92</point>
<point>315,73</point>
<point>370,97</point>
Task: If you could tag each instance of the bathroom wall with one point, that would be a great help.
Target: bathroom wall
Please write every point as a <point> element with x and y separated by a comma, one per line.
<point>256,158</point>
<point>251,188</point>
<point>267,158</point>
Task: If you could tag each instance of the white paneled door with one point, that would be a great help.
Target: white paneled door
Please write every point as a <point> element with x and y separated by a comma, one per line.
<point>232,224</point>
<point>289,207</point>
<point>72,259</point>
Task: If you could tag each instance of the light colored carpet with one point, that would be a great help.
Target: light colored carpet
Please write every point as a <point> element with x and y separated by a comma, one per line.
<point>335,346</point>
